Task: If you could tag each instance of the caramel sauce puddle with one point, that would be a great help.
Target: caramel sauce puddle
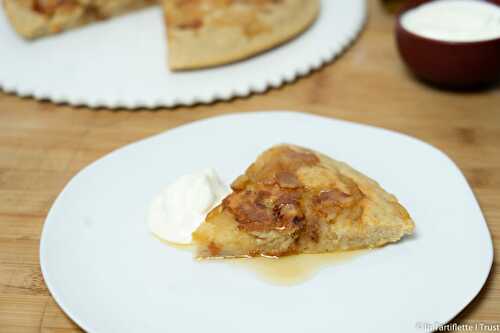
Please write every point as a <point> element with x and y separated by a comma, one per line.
<point>284,271</point>
<point>294,269</point>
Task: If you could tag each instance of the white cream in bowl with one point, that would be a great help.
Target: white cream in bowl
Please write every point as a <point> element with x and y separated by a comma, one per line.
<point>454,20</point>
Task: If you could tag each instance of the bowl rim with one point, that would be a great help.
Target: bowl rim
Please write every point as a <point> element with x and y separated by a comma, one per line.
<point>416,3</point>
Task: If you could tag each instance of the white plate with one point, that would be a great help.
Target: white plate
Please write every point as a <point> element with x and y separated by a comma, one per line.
<point>122,62</point>
<point>110,275</point>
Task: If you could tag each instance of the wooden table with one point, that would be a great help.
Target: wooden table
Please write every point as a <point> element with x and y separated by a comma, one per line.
<point>43,145</point>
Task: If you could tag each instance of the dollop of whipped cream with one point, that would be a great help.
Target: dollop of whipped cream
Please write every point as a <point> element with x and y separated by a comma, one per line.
<point>183,205</point>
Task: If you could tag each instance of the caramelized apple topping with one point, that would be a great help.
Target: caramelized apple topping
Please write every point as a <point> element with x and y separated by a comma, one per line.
<point>270,195</point>
<point>49,7</point>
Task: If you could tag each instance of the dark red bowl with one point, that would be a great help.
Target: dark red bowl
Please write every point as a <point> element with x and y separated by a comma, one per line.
<point>448,64</point>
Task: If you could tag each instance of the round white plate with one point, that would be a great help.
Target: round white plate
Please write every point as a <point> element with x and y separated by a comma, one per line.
<point>109,274</point>
<point>122,63</point>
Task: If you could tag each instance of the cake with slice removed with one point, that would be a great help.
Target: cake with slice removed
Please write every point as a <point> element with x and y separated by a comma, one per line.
<point>294,200</point>
<point>200,33</point>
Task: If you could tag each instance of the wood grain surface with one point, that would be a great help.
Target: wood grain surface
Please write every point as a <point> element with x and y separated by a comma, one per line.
<point>43,145</point>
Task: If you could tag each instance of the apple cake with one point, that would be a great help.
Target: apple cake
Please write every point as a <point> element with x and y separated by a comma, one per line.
<point>294,200</point>
<point>200,33</point>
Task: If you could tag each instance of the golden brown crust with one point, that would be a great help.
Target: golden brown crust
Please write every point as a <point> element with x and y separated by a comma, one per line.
<point>37,18</point>
<point>293,200</point>
<point>204,33</point>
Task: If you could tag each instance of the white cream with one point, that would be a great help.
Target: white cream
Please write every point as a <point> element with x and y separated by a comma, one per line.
<point>183,205</point>
<point>454,20</point>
